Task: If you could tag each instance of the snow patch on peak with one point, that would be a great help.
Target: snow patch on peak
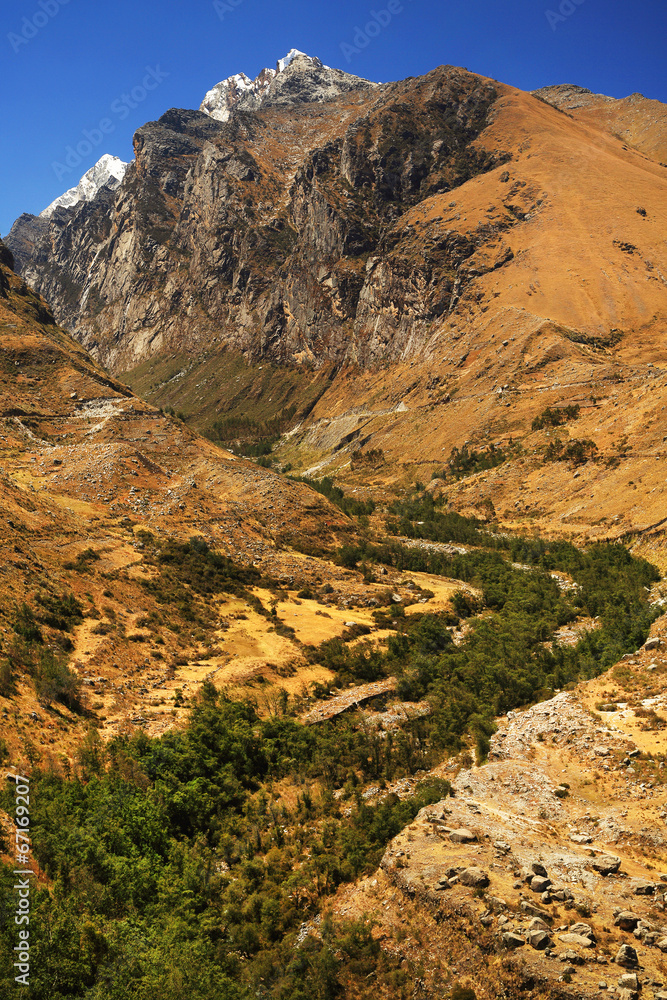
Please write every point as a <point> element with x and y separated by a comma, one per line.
<point>242,81</point>
<point>248,94</point>
<point>108,170</point>
<point>282,64</point>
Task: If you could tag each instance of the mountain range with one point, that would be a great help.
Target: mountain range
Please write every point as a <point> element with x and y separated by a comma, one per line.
<point>499,252</point>
<point>300,413</point>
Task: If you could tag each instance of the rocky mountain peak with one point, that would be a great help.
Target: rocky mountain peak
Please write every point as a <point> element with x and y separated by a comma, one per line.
<point>297,78</point>
<point>293,54</point>
<point>108,171</point>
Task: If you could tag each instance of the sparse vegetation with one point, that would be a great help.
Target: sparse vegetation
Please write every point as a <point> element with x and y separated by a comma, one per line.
<point>83,561</point>
<point>464,461</point>
<point>555,417</point>
<point>576,451</point>
<point>367,459</point>
<point>328,489</point>
<point>189,572</point>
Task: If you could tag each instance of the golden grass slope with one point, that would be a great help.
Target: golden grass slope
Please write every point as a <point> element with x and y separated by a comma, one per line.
<point>564,302</point>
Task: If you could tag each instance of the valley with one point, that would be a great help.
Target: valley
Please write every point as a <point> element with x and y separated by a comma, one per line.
<point>332,606</point>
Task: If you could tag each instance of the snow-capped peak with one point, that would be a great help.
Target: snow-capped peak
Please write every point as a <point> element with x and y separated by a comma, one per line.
<point>108,170</point>
<point>241,90</point>
<point>291,55</point>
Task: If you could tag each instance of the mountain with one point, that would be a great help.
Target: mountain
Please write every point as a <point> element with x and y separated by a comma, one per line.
<point>636,120</point>
<point>406,736</point>
<point>105,176</point>
<point>273,216</point>
<point>296,78</point>
<point>107,172</point>
<point>93,480</point>
<point>409,268</point>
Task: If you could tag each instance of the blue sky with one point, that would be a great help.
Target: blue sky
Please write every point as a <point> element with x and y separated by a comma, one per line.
<point>67,64</point>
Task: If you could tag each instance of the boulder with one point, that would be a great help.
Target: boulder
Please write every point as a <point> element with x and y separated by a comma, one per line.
<point>475,878</point>
<point>571,956</point>
<point>661,944</point>
<point>538,939</point>
<point>535,911</point>
<point>463,836</point>
<point>536,924</point>
<point>606,864</point>
<point>576,940</point>
<point>511,940</point>
<point>653,643</point>
<point>627,956</point>
<point>562,895</point>
<point>628,981</point>
<point>643,888</point>
<point>626,920</point>
<point>584,929</point>
<point>539,884</point>
<point>539,869</point>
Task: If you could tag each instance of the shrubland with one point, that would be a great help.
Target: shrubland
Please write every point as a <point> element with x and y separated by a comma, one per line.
<point>199,863</point>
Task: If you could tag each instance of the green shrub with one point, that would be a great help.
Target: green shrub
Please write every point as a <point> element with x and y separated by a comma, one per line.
<point>54,681</point>
<point>554,417</point>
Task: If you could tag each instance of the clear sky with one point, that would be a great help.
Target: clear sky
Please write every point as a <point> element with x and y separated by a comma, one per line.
<point>68,65</point>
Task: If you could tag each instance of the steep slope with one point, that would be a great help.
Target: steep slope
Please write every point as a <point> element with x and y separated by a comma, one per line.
<point>546,870</point>
<point>96,483</point>
<point>61,413</point>
<point>499,255</point>
<point>271,216</point>
<point>108,171</point>
<point>636,120</point>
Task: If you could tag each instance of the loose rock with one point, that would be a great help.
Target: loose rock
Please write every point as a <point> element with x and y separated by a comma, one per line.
<point>627,956</point>
<point>626,920</point>
<point>606,864</point>
<point>462,836</point>
<point>475,878</point>
<point>511,940</point>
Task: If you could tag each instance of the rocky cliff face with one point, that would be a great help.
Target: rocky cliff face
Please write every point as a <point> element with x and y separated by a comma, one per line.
<point>450,255</point>
<point>273,232</point>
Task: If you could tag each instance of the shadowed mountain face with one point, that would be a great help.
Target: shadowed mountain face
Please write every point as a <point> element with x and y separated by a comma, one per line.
<point>266,232</point>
